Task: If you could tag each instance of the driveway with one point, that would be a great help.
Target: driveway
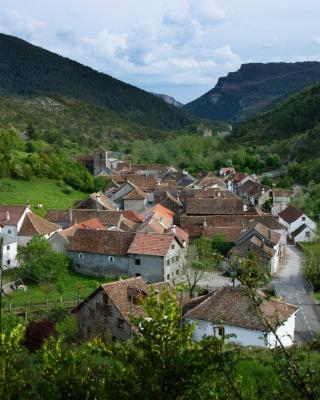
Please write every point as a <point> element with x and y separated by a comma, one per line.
<point>290,284</point>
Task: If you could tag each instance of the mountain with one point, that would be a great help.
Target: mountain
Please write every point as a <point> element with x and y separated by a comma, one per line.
<point>253,89</point>
<point>28,70</point>
<point>292,129</point>
<point>169,100</point>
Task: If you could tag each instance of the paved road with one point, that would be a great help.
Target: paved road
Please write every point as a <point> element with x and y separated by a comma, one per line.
<point>290,284</point>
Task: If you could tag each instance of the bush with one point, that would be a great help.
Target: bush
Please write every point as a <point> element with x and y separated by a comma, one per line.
<point>37,332</point>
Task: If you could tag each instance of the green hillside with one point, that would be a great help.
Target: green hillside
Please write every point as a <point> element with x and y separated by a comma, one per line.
<point>293,127</point>
<point>28,70</point>
<point>253,89</point>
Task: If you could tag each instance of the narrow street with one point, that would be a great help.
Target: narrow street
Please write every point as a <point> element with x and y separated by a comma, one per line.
<point>290,284</point>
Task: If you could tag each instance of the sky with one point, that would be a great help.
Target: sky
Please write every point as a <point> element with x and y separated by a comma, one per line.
<point>177,47</point>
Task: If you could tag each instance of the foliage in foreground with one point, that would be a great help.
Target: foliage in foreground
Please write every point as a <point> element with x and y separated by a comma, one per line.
<point>161,363</point>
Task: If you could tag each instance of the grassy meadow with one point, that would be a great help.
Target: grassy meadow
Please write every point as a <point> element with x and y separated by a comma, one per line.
<point>37,191</point>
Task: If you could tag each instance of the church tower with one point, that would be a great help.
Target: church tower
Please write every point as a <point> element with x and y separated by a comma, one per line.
<point>100,160</point>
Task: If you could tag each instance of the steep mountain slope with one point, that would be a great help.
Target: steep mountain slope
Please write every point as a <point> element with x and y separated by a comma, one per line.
<point>254,88</point>
<point>169,100</point>
<point>293,128</point>
<point>29,70</point>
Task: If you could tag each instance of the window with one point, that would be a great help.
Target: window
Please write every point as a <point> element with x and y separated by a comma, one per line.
<point>92,313</point>
<point>8,262</point>
<point>308,234</point>
<point>172,246</point>
<point>177,258</point>
<point>303,218</point>
<point>168,277</point>
<point>8,247</point>
<point>221,330</point>
<point>137,275</point>
<point>120,323</point>
<point>111,259</point>
<point>81,256</point>
<point>137,261</point>
<point>168,262</point>
<point>9,232</point>
<point>177,272</point>
<point>218,330</point>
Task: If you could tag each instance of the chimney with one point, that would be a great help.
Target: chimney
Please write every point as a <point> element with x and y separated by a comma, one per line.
<point>7,216</point>
<point>269,234</point>
<point>70,216</point>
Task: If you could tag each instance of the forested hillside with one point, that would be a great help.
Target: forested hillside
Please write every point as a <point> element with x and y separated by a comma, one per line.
<point>253,89</point>
<point>27,70</point>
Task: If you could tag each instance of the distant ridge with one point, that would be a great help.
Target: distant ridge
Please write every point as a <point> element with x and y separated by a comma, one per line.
<point>253,89</point>
<point>27,70</point>
<point>169,100</point>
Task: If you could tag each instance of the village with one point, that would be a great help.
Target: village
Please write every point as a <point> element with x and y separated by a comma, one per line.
<point>141,234</point>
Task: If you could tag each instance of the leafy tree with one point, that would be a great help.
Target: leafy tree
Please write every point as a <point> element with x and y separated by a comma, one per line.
<point>220,245</point>
<point>40,263</point>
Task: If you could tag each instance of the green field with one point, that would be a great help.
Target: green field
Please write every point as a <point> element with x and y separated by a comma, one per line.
<point>71,282</point>
<point>37,191</point>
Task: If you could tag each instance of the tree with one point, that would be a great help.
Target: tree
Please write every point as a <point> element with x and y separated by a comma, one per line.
<point>40,263</point>
<point>220,245</point>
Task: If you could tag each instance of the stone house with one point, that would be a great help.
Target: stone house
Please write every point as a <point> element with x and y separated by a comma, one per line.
<point>254,193</point>
<point>97,201</point>
<point>264,243</point>
<point>60,240</point>
<point>136,200</point>
<point>230,311</point>
<point>299,226</point>
<point>109,309</point>
<point>100,253</point>
<point>156,257</point>
<point>280,200</point>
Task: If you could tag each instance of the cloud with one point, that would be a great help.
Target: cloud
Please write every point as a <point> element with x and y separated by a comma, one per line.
<point>207,11</point>
<point>108,44</point>
<point>14,22</point>
<point>226,54</point>
<point>316,40</point>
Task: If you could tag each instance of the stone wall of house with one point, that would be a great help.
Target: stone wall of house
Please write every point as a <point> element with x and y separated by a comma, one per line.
<point>58,243</point>
<point>98,316</point>
<point>99,264</point>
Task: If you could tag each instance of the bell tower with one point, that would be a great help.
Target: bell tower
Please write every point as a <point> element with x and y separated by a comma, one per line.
<point>100,160</point>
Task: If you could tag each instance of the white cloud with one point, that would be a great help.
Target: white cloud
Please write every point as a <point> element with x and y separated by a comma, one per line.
<point>207,10</point>
<point>226,54</point>
<point>14,22</point>
<point>107,43</point>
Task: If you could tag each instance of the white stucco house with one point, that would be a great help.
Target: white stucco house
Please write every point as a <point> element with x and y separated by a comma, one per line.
<point>299,226</point>
<point>11,219</point>
<point>230,311</point>
<point>9,251</point>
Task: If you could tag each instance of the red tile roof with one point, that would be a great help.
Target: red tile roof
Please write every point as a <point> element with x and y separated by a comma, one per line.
<point>290,214</point>
<point>102,242</point>
<point>106,217</point>
<point>93,223</point>
<point>136,194</point>
<point>132,216</point>
<point>214,206</point>
<point>154,244</point>
<point>34,225</point>
<point>11,215</point>
<point>232,306</point>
